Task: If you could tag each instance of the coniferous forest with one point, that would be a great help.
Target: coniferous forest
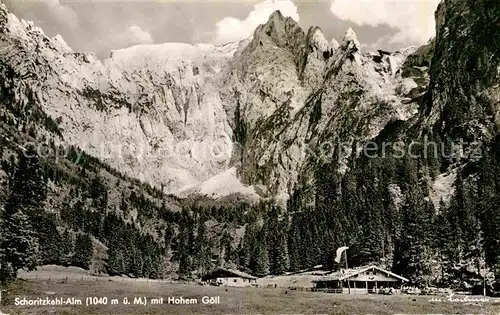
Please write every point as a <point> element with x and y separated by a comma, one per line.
<point>60,205</point>
<point>53,215</point>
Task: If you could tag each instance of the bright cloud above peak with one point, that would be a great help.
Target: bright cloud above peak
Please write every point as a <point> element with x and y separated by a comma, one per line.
<point>231,29</point>
<point>132,35</point>
<point>414,19</point>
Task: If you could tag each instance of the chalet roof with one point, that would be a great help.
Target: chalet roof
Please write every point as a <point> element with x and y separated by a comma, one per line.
<point>349,273</point>
<point>228,271</point>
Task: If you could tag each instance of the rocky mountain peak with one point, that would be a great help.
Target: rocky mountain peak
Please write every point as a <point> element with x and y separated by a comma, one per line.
<point>277,17</point>
<point>283,31</point>
<point>3,10</point>
<point>317,40</point>
<point>334,44</point>
<point>350,37</point>
<point>351,44</point>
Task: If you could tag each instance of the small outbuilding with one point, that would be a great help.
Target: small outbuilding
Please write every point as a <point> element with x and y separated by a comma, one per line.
<point>230,278</point>
<point>361,280</point>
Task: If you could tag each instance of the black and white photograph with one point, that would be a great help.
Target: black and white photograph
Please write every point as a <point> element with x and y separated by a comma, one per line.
<point>250,157</point>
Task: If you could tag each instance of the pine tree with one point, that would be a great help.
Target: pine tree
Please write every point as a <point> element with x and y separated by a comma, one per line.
<point>83,251</point>
<point>169,236</point>
<point>50,241</point>
<point>293,246</point>
<point>413,250</point>
<point>226,245</point>
<point>28,186</point>
<point>124,206</point>
<point>18,245</point>
<point>276,243</point>
<point>259,262</point>
<point>98,192</point>
<point>185,241</point>
<point>281,262</point>
<point>116,260</point>
<point>488,209</point>
<point>67,248</point>
<point>185,262</point>
<point>444,235</point>
<point>467,216</point>
<point>330,243</point>
<point>452,234</point>
<point>246,246</point>
<point>117,237</point>
<point>137,263</point>
<point>202,250</point>
<point>28,191</point>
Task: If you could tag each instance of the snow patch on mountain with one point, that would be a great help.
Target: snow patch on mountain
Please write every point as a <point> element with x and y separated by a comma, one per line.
<point>443,189</point>
<point>223,184</point>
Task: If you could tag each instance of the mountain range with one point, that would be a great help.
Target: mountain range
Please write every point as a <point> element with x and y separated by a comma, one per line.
<point>265,139</point>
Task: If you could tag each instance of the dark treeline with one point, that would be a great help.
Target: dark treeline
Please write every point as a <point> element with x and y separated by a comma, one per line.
<point>79,211</point>
<point>381,209</point>
<point>83,213</point>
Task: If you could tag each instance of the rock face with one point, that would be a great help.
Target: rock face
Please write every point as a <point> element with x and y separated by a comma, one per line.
<point>465,72</point>
<point>304,103</point>
<point>272,106</point>
<point>153,112</point>
<point>177,115</point>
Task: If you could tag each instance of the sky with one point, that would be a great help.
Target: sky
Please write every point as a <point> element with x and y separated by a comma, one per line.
<point>100,26</point>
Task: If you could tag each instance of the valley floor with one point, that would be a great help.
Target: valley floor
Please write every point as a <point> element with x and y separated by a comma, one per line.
<point>231,300</point>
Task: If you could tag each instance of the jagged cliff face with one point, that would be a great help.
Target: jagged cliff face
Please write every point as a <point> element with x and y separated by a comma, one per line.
<point>265,110</point>
<point>153,112</point>
<point>171,114</point>
<point>298,98</point>
<point>465,70</point>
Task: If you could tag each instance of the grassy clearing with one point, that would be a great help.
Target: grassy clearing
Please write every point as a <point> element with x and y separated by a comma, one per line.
<point>232,300</point>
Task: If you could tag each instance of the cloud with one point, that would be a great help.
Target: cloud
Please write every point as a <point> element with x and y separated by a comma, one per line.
<point>414,20</point>
<point>132,35</point>
<point>63,14</point>
<point>232,29</point>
